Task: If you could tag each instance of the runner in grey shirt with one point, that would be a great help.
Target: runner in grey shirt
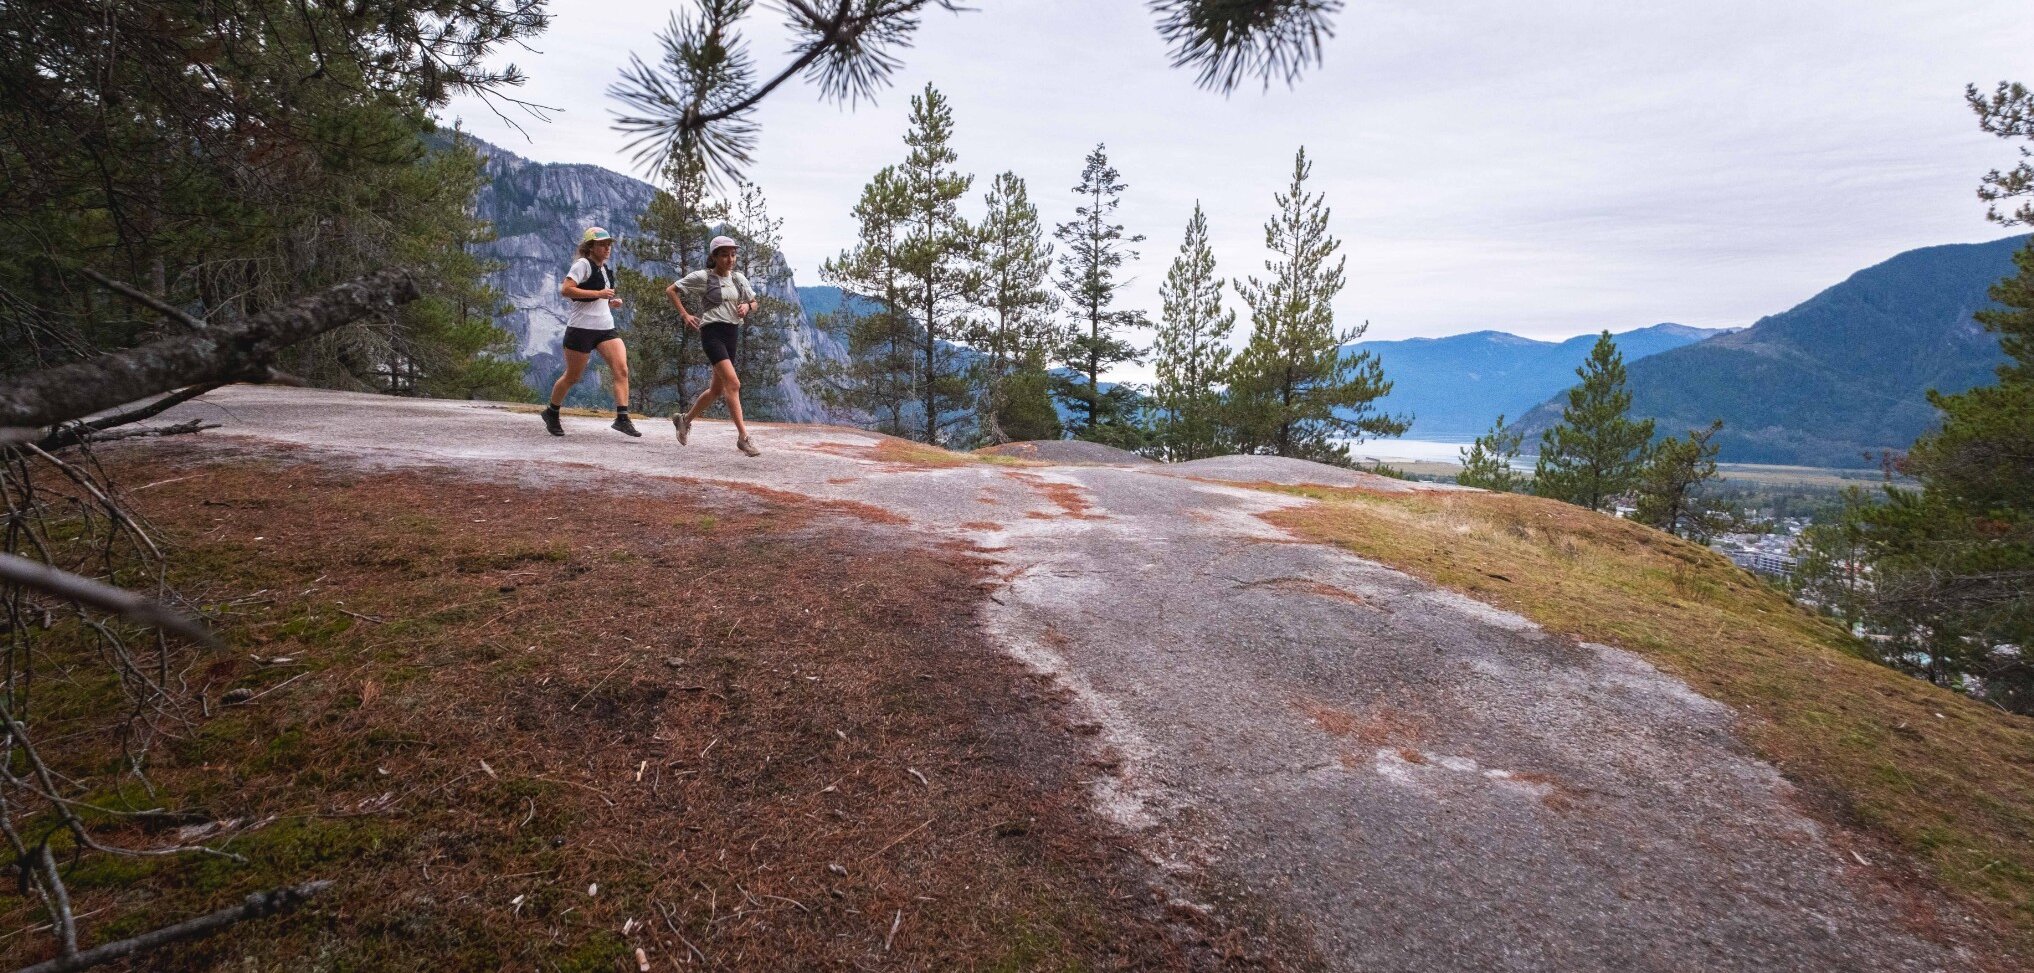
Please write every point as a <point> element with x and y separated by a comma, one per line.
<point>724,298</point>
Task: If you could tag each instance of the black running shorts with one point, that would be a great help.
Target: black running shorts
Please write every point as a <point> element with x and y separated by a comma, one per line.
<point>720,340</point>
<point>587,339</point>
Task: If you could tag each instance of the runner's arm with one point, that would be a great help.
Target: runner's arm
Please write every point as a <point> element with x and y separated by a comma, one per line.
<point>749,302</point>
<point>673,293</point>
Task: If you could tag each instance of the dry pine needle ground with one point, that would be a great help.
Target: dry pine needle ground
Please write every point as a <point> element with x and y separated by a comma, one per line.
<point>537,728</point>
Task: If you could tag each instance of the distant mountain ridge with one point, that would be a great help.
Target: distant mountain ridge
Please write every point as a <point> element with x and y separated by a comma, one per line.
<point>1844,373</point>
<point>1456,386</point>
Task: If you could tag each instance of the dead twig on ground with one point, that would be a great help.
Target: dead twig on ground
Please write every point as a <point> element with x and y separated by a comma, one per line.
<point>899,838</point>
<point>260,905</point>
<point>596,686</point>
<point>673,925</point>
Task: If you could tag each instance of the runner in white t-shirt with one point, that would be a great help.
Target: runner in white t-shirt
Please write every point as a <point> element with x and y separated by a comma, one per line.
<point>589,285</point>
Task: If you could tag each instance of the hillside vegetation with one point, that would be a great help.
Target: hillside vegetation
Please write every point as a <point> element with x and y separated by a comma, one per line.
<point>1941,778</point>
<point>1844,372</point>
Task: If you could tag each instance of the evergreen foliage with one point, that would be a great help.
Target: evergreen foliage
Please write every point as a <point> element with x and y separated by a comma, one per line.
<point>2009,114</point>
<point>1095,251</point>
<point>1018,328</point>
<point>1230,40</point>
<point>1025,411</point>
<point>453,349</point>
<point>936,277</point>
<point>130,150</point>
<point>1943,576</point>
<point>1598,450</point>
<point>872,382</point>
<point>1952,564</point>
<point>1191,352</point>
<point>907,370</point>
<point>1668,485</point>
<point>1293,391</point>
<point>766,332</point>
<point>700,94</point>
<point>1830,569</point>
<point>1487,462</point>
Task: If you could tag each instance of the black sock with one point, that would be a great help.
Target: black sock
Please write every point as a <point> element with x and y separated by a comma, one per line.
<point>553,407</point>
<point>621,411</point>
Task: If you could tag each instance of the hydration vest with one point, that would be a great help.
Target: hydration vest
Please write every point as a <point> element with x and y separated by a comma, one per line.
<point>597,281</point>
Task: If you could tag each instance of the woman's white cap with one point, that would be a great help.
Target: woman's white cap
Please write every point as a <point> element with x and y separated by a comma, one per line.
<point>722,241</point>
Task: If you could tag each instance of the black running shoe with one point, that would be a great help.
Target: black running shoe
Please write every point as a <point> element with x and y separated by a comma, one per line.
<point>551,422</point>
<point>623,425</point>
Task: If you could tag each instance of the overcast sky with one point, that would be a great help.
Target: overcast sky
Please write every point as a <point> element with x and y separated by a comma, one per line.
<point>1541,168</point>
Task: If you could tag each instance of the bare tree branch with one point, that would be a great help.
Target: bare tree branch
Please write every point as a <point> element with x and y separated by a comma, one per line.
<point>260,905</point>
<point>240,351</point>
<point>68,436</point>
<point>28,573</point>
<point>174,429</point>
<point>145,299</point>
<point>66,923</point>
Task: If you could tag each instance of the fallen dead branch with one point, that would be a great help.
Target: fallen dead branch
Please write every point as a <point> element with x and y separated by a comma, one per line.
<point>260,905</point>
<point>239,351</point>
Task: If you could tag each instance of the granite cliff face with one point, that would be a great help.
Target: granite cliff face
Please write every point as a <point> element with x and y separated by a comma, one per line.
<point>539,210</point>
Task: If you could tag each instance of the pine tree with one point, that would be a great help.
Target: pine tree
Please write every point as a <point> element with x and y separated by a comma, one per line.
<point>2008,114</point>
<point>1095,251</point>
<point>1026,411</point>
<point>1953,563</point>
<point>1678,466</point>
<point>232,159</point>
<point>1831,569</point>
<point>446,344</point>
<point>873,382</point>
<point>766,332</point>
<point>463,353</point>
<point>1597,451</point>
<point>1293,391</point>
<point>1944,575</point>
<point>1191,353</point>
<point>1486,463</point>
<point>1017,327</point>
<point>936,276</point>
<point>666,365</point>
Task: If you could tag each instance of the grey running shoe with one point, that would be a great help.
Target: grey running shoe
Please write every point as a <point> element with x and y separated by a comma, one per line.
<point>551,422</point>
<point>623,425</point>
<point>745,446</point>
<point>684,424</point>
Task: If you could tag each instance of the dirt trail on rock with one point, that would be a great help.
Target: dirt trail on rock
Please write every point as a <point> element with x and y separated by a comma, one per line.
<point>1413,779</point>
